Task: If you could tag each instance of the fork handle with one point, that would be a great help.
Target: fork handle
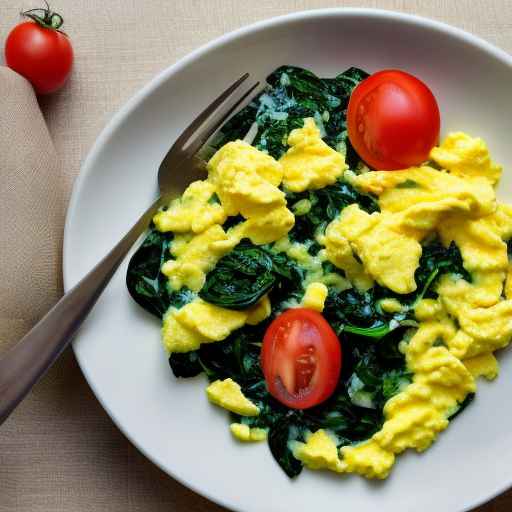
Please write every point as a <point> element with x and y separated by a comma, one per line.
<point>25,363</point>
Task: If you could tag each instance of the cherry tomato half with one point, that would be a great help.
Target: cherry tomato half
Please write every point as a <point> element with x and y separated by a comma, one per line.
<point>393,120</point>
<point>40,53</point>
<point>301,358</point>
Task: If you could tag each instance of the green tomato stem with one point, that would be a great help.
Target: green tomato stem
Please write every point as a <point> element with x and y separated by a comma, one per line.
<point>45,17</point>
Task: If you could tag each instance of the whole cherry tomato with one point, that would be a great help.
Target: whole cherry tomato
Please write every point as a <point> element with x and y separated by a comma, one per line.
<point>39,51</point>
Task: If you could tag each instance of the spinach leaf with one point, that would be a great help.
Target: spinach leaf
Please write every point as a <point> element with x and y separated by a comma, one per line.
<point>352,307</point>
<point>357,313</point>
<point>236,357</point>
<point>244,275</point>
<point>289,278</point>
<point>186,364</point>
<point>377,380</point>
<point>374,371</point>
<point>279,437</point>
<point>377,331</point>
<point>240,278</point>
<point>393,382</point>
<point>292,94</point>
<point>435,261</point>
<point>348,421</point>
<point>146,284</point>
<point>326,204</point>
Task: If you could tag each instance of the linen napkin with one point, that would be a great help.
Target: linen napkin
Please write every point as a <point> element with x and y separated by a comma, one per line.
<point>31,211</point>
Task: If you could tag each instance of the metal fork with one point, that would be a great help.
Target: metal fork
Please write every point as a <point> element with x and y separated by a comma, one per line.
<point>25,363</point>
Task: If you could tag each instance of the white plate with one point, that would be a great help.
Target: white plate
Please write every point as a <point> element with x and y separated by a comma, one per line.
<point>119,348</point>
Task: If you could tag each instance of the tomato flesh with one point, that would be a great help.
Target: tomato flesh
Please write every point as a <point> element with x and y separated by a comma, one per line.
<point>42,55</point>
<point>301,358</point>
<point>393,120</point>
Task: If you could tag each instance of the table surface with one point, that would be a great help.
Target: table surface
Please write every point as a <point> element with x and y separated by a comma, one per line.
<point>60,451</point>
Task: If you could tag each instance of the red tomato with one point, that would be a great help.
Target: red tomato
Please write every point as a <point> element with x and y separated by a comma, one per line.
<point>301,358</point>
<point>40,53</point>
<point>393,120</point>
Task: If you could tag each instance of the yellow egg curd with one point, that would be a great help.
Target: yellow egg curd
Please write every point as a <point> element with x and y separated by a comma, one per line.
<point>452,197</point>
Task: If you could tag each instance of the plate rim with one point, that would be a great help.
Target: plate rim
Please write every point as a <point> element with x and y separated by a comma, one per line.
<point>162,76</point>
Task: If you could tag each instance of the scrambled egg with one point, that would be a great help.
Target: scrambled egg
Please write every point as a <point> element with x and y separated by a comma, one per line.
<point>263,229</point>
<point>458,332</point>
<point>481,329</point>
<point>246,434</point>
<point>318,452</point>
<point>390,305</point>
<point>484,365</point>
<point>259,311</point>
<point>414,203</point>
<point>339,251</point>
<point>194,211</point>
<point>227,393</point>
<point>310,163</point>
<point>465,156</point>
<point>314,297</point>
<point>195,256</point>
<point>198,322</point>
<point>428,309</point>
<point>246,182</point>
<point>246,179</point>
<point>312,264</point>
<point>415,416</point>
<point>389,254</point>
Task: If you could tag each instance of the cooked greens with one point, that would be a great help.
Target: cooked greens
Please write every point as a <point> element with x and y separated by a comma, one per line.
<point>240,279</point>
<point>381,368</point>
<point>323,206</point>
<point>244,275</point>
<point>435,261</point>
<point>146,283</point>
<point>373,368</point>
<point>293,94</point>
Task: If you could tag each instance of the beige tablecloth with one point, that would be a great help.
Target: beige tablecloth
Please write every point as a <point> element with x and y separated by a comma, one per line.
<point>59,452</point>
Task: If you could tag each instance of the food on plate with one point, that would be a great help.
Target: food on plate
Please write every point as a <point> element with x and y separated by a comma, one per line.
<point>340,312</point>
<point>393,120</point>
<point>40,51</point>
<point>301,358</point>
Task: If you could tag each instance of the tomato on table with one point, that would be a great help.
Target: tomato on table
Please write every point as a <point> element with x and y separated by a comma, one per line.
<point>393,120</point>
<point>39,51</point>
<point>301,358</point>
